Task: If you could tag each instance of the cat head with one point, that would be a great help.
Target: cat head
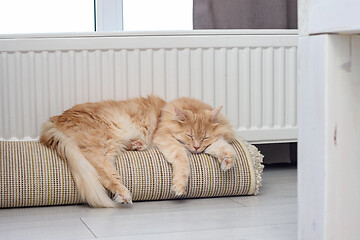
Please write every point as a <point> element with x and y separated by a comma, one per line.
<point>197,130</point>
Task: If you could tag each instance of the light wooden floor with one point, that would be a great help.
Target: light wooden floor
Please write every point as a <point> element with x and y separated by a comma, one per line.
<point>271,215</point>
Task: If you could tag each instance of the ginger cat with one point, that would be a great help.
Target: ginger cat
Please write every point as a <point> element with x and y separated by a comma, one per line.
<point>89,136</point>
<point>189,125</point>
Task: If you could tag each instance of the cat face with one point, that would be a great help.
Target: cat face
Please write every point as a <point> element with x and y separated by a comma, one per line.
<point>196,131</point>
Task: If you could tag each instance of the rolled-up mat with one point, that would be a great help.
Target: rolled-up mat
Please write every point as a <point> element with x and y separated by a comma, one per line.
<point>33,175</point>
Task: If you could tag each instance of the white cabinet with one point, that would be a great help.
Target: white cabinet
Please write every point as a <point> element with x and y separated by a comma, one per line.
<point>329,137</point>
<point>329,120</point>
<point>329,16</point>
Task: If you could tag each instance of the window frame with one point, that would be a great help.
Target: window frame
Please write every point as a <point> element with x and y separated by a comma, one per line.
<point>108,15</point>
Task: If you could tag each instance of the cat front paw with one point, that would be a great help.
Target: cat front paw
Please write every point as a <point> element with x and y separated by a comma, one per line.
<point>227,161</point>
<point>179,189</point>
<point>136,144</point>
<point>123,198</point>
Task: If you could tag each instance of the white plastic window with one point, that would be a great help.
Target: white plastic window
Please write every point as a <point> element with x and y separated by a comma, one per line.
<point>49,16</point>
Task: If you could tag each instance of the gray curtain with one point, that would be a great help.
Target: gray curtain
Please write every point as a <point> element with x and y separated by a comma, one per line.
<point>245,14</point>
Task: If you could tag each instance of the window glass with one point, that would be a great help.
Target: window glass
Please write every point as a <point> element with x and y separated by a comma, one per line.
<point>150,15</point>
<point>44,16</point>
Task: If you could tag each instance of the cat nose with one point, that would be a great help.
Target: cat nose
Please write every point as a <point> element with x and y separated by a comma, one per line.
<point>196,148</point>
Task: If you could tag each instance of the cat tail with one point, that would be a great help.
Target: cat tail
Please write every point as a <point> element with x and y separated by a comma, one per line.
<point>84,174</point>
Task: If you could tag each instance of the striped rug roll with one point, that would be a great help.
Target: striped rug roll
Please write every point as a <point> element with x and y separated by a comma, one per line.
<point>34,175</point>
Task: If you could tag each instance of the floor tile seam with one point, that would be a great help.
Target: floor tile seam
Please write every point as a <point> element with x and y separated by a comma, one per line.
<point>193,231</point>
<point>99,216</point>
<point>253,206</point>
<point>88,228</point>
<point>165,212</point>
<point>243,205</point>
<point>263,205</point>
<point>181,212</point>
<point>40,220</point>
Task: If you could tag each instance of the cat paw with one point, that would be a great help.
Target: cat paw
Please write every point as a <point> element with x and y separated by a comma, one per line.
<point>179,189</point>
<point>227,161</point>
<point>137,145</point>
<point>122,198</point>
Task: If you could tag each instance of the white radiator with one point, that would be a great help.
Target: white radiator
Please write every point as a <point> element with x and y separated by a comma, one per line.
<point>251,73</point>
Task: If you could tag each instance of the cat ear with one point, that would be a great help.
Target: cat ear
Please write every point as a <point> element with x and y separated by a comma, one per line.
<point>215,114</point>
<point>179,115</point>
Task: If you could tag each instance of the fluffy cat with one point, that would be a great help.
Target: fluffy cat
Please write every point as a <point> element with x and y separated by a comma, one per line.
<point>190,126</point>
<point>89,136</point>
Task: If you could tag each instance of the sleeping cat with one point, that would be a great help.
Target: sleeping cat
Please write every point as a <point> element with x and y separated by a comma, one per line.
<point>89,136</point>
<point>189,125</point>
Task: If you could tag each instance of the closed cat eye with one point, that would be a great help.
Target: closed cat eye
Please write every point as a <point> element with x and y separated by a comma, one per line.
<point>204,138</point>
<point>190,136</point>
